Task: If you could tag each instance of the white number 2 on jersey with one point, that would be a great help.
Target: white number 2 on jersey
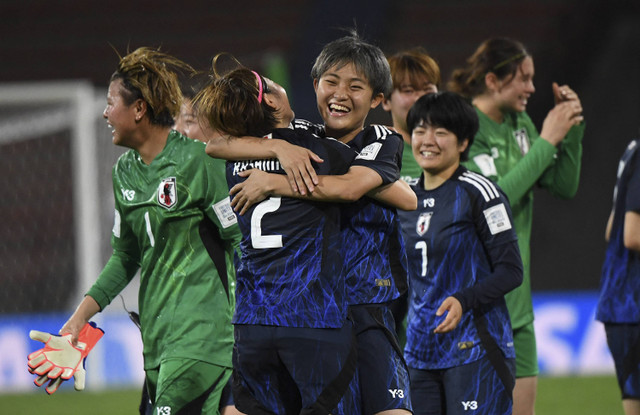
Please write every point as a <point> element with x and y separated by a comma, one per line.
<point>258,240</point>
<point>422,246</point>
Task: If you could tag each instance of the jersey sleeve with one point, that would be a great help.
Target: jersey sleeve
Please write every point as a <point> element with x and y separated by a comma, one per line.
<point>384,156</point>
<point>518,181</point>
<point>563,176</point>
<point>123,263</point>
<point>507,274</point>
<point>217,203</point>
<point>494,226</point>
<point>115,276</point>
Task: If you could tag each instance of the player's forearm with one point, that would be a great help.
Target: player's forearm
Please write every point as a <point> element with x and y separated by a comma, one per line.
<point>328,189</point>
<point>348,187</point>
<point>87,308</point>
<point>506,276</point>
<point>563,178</point>
<point>607,230</point>
<point>397,194</point>
<point>519,180</point>
<point>234,148</point>
<point>116,274</point>
<point>632,231</point>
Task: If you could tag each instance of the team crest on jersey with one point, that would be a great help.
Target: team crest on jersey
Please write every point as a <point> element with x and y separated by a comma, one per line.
<point>167,194</point>
<point>423,223</point>
<point>523,140</point>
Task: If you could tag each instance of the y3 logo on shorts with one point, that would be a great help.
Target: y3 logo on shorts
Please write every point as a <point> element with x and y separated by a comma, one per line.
<point>164,410</point>
<point>466,405</point>
<point>396,393</point>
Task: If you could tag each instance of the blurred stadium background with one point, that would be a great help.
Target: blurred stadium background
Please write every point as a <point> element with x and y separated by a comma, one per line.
<point>56,153</point>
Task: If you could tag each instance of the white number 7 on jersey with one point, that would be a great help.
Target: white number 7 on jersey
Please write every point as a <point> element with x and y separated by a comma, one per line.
<point>422,246</point>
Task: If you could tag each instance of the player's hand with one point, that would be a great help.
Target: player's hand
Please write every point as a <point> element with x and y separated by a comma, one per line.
<point>59,359</point>
<point>251,191</point>
<point>73,326</point>
<point>296,162</point>
<point>78,381</point>
<point>560,119</point>
<point>564,93</point>
<point>453,308</point>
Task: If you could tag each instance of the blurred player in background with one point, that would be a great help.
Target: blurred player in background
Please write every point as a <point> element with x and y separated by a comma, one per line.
<point>619,304</point>
<point>414,73</point>
<point>507,149</point>
<point>187,122</point>
<point>174,223</point>
<point>463,257</point>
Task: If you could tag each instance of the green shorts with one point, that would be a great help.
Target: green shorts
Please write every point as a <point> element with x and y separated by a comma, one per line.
<point>181,384</point>
<point>524,343</point>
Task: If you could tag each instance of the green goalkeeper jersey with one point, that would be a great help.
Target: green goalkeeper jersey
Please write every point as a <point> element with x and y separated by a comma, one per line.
<point>174,222</point>
<point>411,170</point>
<point>513,155</point>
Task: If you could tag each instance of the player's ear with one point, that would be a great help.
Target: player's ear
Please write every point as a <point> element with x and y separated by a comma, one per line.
<point>140,107</point>
<point>491,81</point>
<point>271,99</point>
<point>376,100</point>
<point>463,146</point>
<point>386,104</point>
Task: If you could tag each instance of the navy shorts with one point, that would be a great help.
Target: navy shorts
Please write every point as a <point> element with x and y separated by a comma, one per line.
<point>382,371</point>
<point>624,344</point>
<point>472,388</point>
<point>285,370</point>
<point>226,398</point>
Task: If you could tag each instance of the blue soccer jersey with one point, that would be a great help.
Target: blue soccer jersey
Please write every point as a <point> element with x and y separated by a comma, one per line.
<point>620,280</point>
<point>450,239</point>
<point>375,258</point>
<point>291,268</point>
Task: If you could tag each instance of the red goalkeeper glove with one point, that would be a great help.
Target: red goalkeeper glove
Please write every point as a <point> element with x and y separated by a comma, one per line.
<point>59,359</point>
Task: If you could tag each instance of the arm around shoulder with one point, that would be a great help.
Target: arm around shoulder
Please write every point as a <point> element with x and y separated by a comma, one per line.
<point>397,194</point>
<point>232,148</point>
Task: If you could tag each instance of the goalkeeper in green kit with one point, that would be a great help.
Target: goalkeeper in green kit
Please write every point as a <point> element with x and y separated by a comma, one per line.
<point>174,223</point>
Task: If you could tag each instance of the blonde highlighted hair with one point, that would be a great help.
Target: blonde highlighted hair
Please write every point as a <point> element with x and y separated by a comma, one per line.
<point>152,76</point>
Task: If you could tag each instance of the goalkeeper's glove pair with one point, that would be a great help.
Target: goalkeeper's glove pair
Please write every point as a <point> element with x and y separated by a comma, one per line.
<point>59,359</point>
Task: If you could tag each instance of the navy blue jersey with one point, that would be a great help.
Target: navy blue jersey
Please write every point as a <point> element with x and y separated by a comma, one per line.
<point>375,258</point>
<point>620,281</point>
<point>291,269</point>
<point>450,239</point>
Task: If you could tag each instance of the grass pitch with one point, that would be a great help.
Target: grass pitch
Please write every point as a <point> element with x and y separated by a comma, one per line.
<point>594,395</point>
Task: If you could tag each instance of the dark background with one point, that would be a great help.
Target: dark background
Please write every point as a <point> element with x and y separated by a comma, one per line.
<point>594,46</point>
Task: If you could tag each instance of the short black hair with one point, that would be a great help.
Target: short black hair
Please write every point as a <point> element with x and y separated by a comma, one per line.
<point>447,110</point>
<point>368,59</point>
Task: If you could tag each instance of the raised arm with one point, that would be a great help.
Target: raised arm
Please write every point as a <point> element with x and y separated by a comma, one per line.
<point>295,160</point>
<point>563,177</point>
